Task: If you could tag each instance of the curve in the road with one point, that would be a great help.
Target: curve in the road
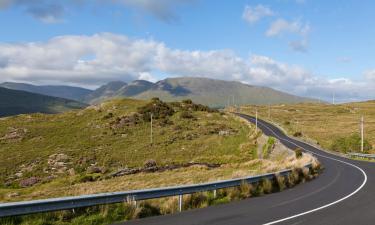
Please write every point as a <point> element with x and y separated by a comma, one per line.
<point>324,206</point>
<point>303,204</point>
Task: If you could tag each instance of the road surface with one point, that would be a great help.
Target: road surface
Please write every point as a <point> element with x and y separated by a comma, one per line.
<point>344,194</point>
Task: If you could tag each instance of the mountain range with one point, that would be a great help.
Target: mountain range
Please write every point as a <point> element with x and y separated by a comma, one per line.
<point>67,92</point>
<point>211,92</point>
<point>26,98</point>
<point>13,102</point>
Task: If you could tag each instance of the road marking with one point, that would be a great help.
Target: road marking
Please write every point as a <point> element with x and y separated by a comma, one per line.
<point>324,206</point>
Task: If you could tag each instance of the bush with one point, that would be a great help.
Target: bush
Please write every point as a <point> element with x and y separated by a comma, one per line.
<point>349,144</point>
<point>157,108</point>
<point>89,177</point>
<point>146,210</point>
<point>186,115</point>
<point>297,134</point>
<point>298,152</point>
<point>187,101</point>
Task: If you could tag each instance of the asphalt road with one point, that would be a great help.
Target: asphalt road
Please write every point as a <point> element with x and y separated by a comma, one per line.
<point>343,194</point>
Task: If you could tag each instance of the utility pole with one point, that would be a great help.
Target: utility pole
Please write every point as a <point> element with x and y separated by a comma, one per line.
<point>362,133</point>
<point>256,121</point>
<point>333,98</point>
<point>151,130</point>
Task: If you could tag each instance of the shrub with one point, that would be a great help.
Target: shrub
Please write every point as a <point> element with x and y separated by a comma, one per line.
<point>280,181</point>
<point>187,101</point>
<point>298,152</point>
<point>146,210</point>
<point>196,200</point>
<point>89,177</point>
<point>297,134</point>
<point>157,108</point>
<point>186,115</point>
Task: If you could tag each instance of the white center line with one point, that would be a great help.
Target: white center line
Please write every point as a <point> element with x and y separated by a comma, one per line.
<point>324,206</point>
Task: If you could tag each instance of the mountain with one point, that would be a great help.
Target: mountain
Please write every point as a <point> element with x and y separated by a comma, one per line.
<point>211,92</point>
<point>13,102</point>
<point>68,92</point>
<point>104,92</point>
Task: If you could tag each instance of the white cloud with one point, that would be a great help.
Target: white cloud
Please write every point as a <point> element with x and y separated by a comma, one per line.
<point>370,75</point>
<point>97,59</point>
<point>281,26</point>
<point>299,46</point>
<point>254,14</point>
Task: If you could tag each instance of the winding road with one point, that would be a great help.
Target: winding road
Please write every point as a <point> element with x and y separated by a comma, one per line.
<point>343,194</point>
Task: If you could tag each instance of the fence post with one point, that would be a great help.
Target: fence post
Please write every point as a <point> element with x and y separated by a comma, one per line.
<point>215,193</point>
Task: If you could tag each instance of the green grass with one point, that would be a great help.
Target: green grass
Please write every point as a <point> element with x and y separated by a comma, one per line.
<point>334,127</point>
<point>107,214</point>
<point>86,138</point>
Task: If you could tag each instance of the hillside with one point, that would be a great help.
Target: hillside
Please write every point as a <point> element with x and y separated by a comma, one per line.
<point>334,127</point>
<point>107,147</point>
<point>67,92</point>
<point>215,93</point>
<point>14,102</point>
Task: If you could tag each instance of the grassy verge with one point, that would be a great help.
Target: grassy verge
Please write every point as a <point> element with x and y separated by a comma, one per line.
<point>107,214</point>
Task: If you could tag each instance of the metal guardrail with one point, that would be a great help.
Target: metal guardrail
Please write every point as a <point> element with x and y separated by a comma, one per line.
<point>369,156</point>
<point>55,204</point>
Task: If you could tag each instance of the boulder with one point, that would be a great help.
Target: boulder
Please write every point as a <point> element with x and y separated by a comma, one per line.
<point>29,182</point>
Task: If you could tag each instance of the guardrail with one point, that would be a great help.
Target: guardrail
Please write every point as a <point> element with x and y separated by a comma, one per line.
<point>55,204</point>
<point>369,156</point>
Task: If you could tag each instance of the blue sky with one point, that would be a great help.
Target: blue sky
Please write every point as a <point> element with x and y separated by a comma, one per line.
<point>307,47</point>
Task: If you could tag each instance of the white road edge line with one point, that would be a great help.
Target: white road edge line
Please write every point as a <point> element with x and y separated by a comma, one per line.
<point>324,206</point>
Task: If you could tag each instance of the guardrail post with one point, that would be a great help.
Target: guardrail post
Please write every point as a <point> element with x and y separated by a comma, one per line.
<point>134,201</point>
<point>180,203</point>
<point>215,193</point>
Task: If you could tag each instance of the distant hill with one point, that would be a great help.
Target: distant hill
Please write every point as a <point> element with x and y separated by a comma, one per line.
<point>68,92</point>
<point>211,92</point>
<point>104,92</point>
<point>13,102</point>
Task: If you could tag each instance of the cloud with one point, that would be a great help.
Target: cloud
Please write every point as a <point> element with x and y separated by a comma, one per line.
<point>96,59</point>
<point>161,9</point>
<point>344,60</point>
<point>254,14</point>
<point>49,11</point>
<point>299,46</point>
<point>370,75</point>
<point>281,26</point>
<point>45,11</point>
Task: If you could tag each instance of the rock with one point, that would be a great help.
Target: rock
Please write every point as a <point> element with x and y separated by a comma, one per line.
<point>61,157</point>
<point>94,169</point>
<point>14,134</point>
<point>13,194</point>
<point>71,172</point>
<point>224,132</point>
<point>29,182</point>
<point>150,163</point>
<point>19,174</point>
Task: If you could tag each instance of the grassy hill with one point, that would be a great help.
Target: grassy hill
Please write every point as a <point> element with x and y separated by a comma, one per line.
<point>91,144</point>
<point>14,102</point>
<point>334,127</point>
<point>107,147</point>
<point>215,93</point>
<point>67,92</point>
